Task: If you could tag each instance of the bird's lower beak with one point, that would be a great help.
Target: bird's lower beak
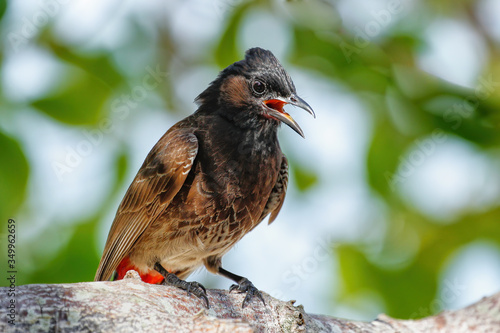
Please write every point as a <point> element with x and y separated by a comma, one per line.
<point>275,109</point>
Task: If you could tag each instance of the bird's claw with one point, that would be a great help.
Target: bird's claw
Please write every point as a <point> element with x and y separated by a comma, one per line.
<point>245,286</point>
<point>198,290</point>
<point>193,287</point>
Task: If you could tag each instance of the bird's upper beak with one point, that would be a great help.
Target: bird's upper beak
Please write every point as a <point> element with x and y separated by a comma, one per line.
<point>275,109</point>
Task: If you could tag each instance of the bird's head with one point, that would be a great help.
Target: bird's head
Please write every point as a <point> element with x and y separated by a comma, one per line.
<point>254,91</point>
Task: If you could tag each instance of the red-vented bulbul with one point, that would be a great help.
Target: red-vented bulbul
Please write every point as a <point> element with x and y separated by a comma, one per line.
<point>210,179</point>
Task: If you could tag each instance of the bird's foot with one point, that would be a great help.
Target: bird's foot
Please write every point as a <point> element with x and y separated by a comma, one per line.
<point>245,286</point>
<point>193,287</point>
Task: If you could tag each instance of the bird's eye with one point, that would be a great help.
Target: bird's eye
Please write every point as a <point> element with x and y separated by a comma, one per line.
<point>258,87</point>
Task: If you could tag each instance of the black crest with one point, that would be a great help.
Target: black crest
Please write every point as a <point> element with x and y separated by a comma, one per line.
<point>257,63</point>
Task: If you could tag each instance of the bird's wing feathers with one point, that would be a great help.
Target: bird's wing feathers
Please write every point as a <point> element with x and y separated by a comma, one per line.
<point>277,196</point>
<point>158,181</point>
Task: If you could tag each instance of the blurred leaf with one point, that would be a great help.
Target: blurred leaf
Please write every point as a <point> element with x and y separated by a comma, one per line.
<point>326,55</point>
<point>366,68</point>
<point>383,158</point>
<point>100,65</point>
<point>410,290</point>
<point>400,47</point>
<point>417,84</point>
<point>227,51</point>
<point>76,262</point>
<point>121,167</point>
<point>79,101</point>
<point>14,171</point>
<point>325,14</point>
<point>403,290</point>
<point>464,119</point>
<point>406,115</point>
<point>304,179</point>
<point>3,8</point>
<point>367,79</point>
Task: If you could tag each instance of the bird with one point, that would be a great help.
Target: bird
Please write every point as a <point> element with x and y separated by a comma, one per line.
<point>209,180</point>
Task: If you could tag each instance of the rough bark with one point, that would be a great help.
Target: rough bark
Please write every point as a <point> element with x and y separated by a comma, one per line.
<point>130,305</point>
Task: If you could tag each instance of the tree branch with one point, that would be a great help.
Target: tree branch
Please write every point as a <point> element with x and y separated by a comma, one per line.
<point>130,305</point>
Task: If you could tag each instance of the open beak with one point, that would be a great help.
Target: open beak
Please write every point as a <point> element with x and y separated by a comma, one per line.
<point>275,109</point>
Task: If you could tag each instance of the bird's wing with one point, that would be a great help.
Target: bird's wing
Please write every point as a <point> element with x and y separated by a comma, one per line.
<point>157,182</point>
<point>277,196</point>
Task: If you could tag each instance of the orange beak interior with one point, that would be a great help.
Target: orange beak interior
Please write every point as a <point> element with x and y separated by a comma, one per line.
<point>276,104</point>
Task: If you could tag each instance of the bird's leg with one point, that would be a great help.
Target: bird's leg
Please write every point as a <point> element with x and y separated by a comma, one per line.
<point>194,287</point>
<point>243,286</point>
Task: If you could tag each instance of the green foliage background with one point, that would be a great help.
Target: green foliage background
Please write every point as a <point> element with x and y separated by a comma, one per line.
<point>384,75</point>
